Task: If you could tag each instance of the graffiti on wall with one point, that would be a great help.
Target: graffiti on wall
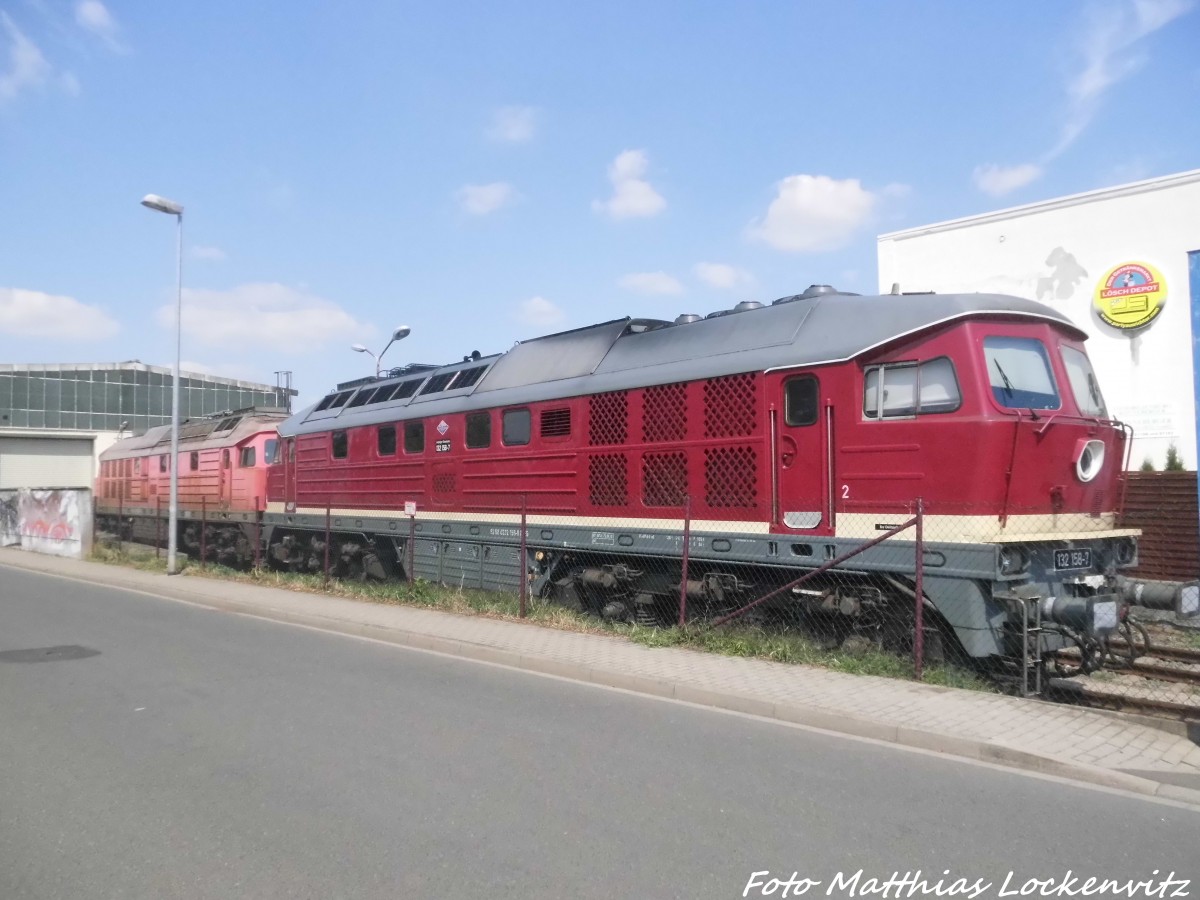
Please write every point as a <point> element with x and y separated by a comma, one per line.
<point>10,533</point>
<point>48,522</point>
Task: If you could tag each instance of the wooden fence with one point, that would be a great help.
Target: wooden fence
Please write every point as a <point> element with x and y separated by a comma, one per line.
<point>1164,506</point>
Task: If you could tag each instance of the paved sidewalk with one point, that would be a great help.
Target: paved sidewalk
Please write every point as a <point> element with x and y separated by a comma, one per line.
<point>1059,740</point>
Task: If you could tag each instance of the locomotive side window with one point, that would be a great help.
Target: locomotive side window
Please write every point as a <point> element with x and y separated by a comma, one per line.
<point>224,459</point>
<point>162,463</point>
<point>195,460</point>
<point>385,440</point>
<point>1019,373</point>
<point>905,389</point>
<point>516,427</point>
<point>1083,383</point>
<point>414,437</point>
<point>247,459</point>
<point>479,430</point>
<point>270,449</point>
<point>339,444</point>
<point>291,450</point>
<point>800,400</point>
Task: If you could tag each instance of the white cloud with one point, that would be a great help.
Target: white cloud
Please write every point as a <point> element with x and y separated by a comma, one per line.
<point>70,84</point>
<point>720,275</point>
<point>540,311</point>
<point>513,124</point>
<point>632,194</point>
<point>26,67</point>
<point>35,314</point>
<point>1111,40</point>
<point>650,283</point>
<point>271,316</point>
<point>212,254</point>
<point>93,16</point>
<point>998,180</point>
<point>812,213</point>
<point>481,199</point>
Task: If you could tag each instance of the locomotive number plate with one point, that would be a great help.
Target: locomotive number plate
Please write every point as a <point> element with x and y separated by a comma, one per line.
<point>1072,559</point>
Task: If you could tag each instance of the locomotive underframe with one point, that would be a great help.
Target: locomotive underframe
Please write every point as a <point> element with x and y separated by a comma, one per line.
<point>635,575</point>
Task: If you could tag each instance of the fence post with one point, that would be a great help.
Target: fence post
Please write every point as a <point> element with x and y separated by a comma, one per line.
<point>919,637</point>
<point>327,515</point>
<point>687,541</point>
<point>412,548</point>
<point>258,517</point>
<point>120,515</point>
<point>203,529</point>
<point>524,565</point>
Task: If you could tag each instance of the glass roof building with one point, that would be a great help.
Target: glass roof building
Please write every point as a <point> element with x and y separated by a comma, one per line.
<point>127,397</point>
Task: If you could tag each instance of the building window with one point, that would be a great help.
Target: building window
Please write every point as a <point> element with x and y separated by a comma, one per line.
<point>340,444</point>
<point>479,430</point>
<point>248,458</point>
<point>386,440</point>
<point>515,427</point>
<point>414,437</point>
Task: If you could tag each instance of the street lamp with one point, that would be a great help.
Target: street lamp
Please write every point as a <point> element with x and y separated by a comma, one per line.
<point>163,205</point>
<point>398,335</point>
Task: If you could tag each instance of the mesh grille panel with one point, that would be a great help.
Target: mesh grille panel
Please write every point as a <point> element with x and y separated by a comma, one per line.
<point>665,414</point>
<point>608,419</point>
<point>731,406</point>
<point>443,484</point>
<point>664,479</point>
<point>608,481</point>
<point>730,477</point>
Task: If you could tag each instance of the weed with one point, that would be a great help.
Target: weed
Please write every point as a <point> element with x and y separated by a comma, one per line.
<point>745,641</point>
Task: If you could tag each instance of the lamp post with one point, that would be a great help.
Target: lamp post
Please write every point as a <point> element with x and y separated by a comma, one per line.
<point>163,205</point>
<point>399,334</point>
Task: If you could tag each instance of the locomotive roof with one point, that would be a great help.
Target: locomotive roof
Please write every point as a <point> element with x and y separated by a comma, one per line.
<point>222,430</point>
<point>810,329</point>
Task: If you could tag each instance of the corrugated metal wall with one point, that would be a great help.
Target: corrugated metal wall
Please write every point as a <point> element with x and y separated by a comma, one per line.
<point>1165,507</point>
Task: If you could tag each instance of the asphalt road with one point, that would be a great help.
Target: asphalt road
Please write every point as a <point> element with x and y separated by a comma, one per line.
<point>185,752</point>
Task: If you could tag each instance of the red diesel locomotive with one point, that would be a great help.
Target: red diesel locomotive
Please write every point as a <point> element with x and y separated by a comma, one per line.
<point>223,461</point>
<point>793,432</point>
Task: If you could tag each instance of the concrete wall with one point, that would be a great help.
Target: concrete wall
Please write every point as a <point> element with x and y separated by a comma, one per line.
<point>58,523</point>
<point>1064,253</point>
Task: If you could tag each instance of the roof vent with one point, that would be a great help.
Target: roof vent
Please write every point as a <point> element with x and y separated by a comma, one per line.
<point>747,304</point>
<point>818,290</point>
<point>687,318</point>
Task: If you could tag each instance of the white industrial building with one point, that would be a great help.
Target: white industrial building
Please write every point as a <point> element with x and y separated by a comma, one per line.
<point>1123,263</point>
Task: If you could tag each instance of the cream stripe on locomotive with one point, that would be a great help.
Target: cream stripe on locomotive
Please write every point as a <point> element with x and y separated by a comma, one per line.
<point>862,526</point>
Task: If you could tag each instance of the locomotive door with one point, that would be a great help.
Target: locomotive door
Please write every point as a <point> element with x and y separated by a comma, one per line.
<point>289,475</point>
<point>802,465</point>
<point>226,479</point>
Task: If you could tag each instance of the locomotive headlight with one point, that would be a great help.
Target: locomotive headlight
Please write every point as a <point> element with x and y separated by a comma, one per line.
<point>1089,460</point>
<point>1013,560</point>
<point>1126,551</point>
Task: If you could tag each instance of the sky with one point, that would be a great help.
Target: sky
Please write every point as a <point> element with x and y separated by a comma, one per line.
<point>490,172</point>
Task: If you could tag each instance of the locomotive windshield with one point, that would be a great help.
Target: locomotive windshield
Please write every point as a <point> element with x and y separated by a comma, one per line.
<point>1083,383</point>
<point>1020,374</point>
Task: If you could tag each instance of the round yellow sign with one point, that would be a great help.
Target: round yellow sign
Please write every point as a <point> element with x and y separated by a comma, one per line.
<point>1130,296</point>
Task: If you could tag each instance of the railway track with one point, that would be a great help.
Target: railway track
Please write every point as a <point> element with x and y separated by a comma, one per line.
<point>1157,680</point>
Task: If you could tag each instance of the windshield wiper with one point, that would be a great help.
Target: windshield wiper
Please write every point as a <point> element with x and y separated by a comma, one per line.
<point>1008,388</point>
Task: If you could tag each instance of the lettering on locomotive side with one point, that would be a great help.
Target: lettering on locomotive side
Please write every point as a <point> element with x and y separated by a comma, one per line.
<point>442,447</point>
<point>504,532</point>
<point>606,538</point>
